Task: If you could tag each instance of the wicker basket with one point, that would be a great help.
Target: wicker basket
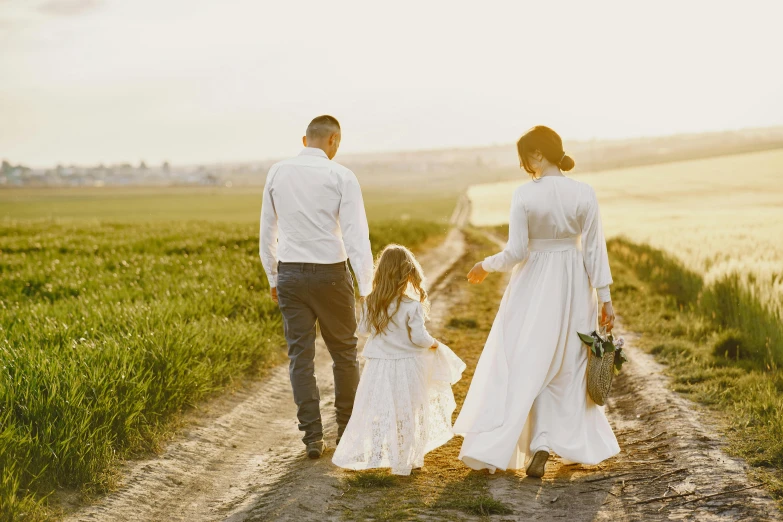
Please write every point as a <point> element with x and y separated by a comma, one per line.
<point>600,372</point>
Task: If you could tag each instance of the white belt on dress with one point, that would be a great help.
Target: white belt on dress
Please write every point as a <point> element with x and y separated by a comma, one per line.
<point>555,245</point>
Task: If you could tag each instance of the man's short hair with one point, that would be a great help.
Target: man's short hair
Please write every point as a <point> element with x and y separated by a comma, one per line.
<point>322,126</point>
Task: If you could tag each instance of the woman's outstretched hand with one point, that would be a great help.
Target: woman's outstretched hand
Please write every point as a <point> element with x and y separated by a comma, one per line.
<point>607,316</point>
<point>477,274</point>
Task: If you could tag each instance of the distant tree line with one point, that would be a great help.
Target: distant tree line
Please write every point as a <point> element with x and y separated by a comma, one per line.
<point>7,168</point>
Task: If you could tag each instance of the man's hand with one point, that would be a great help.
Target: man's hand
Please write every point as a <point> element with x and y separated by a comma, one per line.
<point>477,274</point>
<point>274,294</point>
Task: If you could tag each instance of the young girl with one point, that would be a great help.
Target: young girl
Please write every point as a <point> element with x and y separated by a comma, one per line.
<point>404,400</point>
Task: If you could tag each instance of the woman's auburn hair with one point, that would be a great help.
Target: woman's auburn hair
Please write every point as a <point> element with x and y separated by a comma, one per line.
<point>546,141</point>
<point>397,274</point>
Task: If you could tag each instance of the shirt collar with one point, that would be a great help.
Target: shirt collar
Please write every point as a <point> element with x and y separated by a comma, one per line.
<point>313,151</point>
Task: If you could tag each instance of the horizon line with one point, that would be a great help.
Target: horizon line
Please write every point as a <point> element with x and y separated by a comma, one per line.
<point>377,152</point>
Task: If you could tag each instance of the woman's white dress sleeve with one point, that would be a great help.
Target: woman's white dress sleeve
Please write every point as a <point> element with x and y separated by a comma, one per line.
<point>594,248</point>
<point>516,249</point>
<point>416,330</point>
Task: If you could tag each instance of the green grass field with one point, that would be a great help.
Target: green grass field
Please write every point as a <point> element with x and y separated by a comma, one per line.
<point>231,205</point>
<point>117,313</point>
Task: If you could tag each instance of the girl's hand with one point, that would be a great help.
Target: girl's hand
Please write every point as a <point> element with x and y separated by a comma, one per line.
<point>477,274</point>
<point>434,345</point>
<point>607,316</point>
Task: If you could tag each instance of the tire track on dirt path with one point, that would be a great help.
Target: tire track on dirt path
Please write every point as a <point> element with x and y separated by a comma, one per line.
<point>241,457</point>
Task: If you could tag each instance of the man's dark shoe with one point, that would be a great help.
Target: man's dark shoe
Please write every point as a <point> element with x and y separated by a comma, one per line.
<point>316,449</point>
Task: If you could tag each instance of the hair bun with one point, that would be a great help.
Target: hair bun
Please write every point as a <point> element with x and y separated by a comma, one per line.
<point>567,163</point>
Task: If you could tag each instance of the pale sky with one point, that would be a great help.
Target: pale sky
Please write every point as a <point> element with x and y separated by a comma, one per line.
<point>88,81</point>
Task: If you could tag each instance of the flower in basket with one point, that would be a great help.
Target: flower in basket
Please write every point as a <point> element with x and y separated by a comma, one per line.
<point>603,345</point>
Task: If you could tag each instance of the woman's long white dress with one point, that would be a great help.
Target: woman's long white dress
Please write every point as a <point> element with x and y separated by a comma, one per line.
<point>529,390</point>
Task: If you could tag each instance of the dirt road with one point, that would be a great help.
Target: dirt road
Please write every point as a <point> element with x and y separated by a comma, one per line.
<point>243,460</point>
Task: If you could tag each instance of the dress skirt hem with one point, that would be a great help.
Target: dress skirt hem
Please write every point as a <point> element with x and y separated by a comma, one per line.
<point>403,410</point>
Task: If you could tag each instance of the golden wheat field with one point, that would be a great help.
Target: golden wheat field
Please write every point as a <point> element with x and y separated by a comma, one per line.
<point>718,215</point>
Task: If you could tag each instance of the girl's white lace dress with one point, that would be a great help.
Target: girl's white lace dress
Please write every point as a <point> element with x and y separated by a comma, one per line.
<point>529,390</point>
<point>404,401</point>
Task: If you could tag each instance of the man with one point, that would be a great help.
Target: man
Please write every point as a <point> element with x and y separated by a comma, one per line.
<point>312,218</point>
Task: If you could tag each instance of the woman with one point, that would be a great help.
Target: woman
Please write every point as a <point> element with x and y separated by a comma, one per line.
<point>529,396</point>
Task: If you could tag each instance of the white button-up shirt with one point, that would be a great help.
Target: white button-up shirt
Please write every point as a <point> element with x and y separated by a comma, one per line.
<point>313,212</point>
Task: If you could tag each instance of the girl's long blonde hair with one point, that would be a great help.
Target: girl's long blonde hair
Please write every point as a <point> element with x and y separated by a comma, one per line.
<point>397,274</point>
